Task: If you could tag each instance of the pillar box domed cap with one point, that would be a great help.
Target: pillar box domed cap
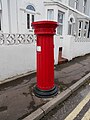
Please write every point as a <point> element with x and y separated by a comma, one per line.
<point>44,27</point>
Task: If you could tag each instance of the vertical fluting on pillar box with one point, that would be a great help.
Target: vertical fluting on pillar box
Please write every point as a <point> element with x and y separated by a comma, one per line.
<point>45,31</point>
<point>45,64</point>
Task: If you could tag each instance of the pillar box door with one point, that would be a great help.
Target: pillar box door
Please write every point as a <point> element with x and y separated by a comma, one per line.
<point>45,31</point>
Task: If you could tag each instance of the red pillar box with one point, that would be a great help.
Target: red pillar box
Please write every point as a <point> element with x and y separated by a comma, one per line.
<point>45,31</point>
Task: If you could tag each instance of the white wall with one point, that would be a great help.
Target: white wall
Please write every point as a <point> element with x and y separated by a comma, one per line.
<point>66,2</point>
<point>21,58</point>
<point>13,16</point>
<point>5,16</point>
<point>73,47</point>
<point>16,59</point>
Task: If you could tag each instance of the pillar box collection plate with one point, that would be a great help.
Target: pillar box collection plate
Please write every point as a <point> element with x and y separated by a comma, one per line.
<point>45,31</point>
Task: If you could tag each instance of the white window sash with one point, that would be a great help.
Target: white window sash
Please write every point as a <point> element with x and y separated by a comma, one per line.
<point>50,14</point>
<point>60,30</point>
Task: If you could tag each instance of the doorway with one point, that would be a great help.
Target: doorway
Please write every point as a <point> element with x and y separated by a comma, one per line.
<point>60,58</point>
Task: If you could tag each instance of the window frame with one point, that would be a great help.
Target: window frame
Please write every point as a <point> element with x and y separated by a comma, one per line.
<point>72,24</point>
<point>52,16</point>
<point>76,4</point>
<point>83,29</point>
<point>80,29</point>
<point>29,27</point>
<point>30,7</point>
<point>0,20</point>
<point>60,23</point>
<point>88,36</point>
<point>84,5</point>
<point>30,13</point>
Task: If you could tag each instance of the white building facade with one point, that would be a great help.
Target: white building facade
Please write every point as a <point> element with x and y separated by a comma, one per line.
<point>17,42</point>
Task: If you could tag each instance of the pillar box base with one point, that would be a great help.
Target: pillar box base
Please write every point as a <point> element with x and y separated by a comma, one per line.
<point>45,93</point>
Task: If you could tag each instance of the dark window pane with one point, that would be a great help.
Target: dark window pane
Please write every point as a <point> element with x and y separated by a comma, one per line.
<point>28,21</point>
<point>32,18</point>
<point>79,34</point>
<point>79,24</point>
<point>86,25</point>
<point>89,31</point>
<point>0,24</point>
<point>70,29</point>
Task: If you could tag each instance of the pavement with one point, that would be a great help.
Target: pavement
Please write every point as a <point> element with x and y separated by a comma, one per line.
<point>17,100</point>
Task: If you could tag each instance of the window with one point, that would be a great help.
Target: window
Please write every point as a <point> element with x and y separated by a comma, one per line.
<point>84,5</point>
<point>0,25</point>
<point>60,21</point>
<point>76,4</point>
<point>0,19</point>
<point>89,30</point>
<point>30,19</point>
<point>80,28</point>
<point>85,30</point>
<point>70,29</point>
<point>30,7</point>
<point>50,14</point>
<point>71,26</point>
<point>30,16</point>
